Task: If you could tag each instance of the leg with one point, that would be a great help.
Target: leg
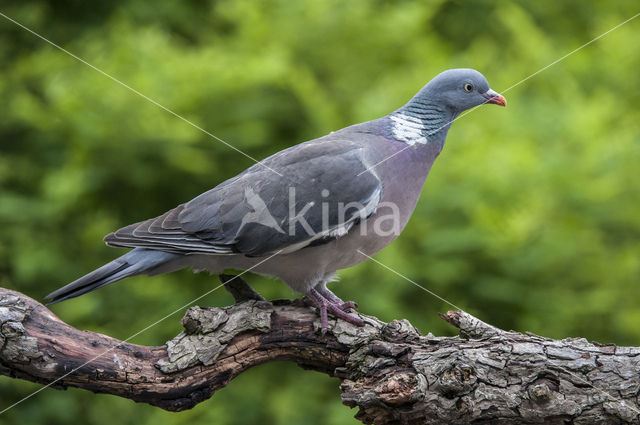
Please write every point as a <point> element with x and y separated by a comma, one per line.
<point>239,288</point>
<point>325,305</point>
<point>333,298</point>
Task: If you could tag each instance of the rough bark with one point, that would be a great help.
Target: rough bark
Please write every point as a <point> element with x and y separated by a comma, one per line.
<point>388,370</point>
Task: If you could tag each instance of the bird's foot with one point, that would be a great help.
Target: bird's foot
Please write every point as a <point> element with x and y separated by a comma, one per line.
<point>348,306</point>
<point>333,304</point>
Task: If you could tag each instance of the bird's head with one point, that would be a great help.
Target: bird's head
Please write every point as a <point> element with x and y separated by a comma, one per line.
<point>460,89</point>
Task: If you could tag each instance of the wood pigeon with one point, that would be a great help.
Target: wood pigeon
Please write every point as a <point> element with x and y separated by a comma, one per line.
<point>308,211</point>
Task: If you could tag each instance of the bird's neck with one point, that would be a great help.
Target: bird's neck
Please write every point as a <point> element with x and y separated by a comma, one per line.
<point>421,122</point>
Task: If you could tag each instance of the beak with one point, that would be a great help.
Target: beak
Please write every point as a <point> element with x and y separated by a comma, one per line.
<point>494,98</point>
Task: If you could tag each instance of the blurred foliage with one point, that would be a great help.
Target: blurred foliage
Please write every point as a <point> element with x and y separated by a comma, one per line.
<point>530,218</point>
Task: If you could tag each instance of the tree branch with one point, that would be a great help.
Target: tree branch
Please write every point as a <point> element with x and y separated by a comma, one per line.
<point>388,370</point>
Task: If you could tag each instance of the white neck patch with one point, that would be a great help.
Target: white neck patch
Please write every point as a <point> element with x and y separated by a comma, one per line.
<point>408,129</point>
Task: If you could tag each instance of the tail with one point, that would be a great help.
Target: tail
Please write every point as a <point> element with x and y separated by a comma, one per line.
<point>135,262</point>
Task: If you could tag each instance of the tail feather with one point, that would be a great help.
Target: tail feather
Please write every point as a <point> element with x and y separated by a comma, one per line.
<point>135,262</point>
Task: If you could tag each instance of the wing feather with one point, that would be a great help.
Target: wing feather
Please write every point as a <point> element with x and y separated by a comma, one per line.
<point>259,212</point>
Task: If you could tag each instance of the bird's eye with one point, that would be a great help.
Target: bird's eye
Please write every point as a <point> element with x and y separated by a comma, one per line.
<point>468,87</point>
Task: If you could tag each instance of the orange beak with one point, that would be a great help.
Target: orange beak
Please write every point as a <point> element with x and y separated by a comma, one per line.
<point>495,98</point>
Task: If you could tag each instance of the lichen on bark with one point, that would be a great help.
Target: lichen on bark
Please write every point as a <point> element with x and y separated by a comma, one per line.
<point>389,371</point>
<point>208,330</point>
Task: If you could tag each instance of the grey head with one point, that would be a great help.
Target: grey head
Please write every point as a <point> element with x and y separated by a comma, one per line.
<point>459,89</point>
<point>429,114</point>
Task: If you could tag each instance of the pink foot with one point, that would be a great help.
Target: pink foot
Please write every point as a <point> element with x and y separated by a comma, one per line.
<point>334,305</point>
<point>347,306</point>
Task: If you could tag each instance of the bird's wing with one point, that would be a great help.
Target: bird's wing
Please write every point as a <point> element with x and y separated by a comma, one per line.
<point>324,190</point>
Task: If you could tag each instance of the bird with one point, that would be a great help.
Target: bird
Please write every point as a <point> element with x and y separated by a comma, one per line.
<point>308,211</point>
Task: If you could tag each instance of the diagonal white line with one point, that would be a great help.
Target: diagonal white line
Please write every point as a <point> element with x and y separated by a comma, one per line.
<point>409,280</point>
<point>133,336</point>
<point>428,134</point>
<point>510,87</point>
<point>611,397</point>
<point>137,92</point>
<point>571,52</point>
<point>258,162</point>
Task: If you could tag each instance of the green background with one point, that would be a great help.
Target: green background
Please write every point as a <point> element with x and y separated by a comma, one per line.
<point>530,218</point>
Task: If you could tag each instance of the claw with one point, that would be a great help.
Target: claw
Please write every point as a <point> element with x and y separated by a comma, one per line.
<point>348,306</point>
<point>325,303</point>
